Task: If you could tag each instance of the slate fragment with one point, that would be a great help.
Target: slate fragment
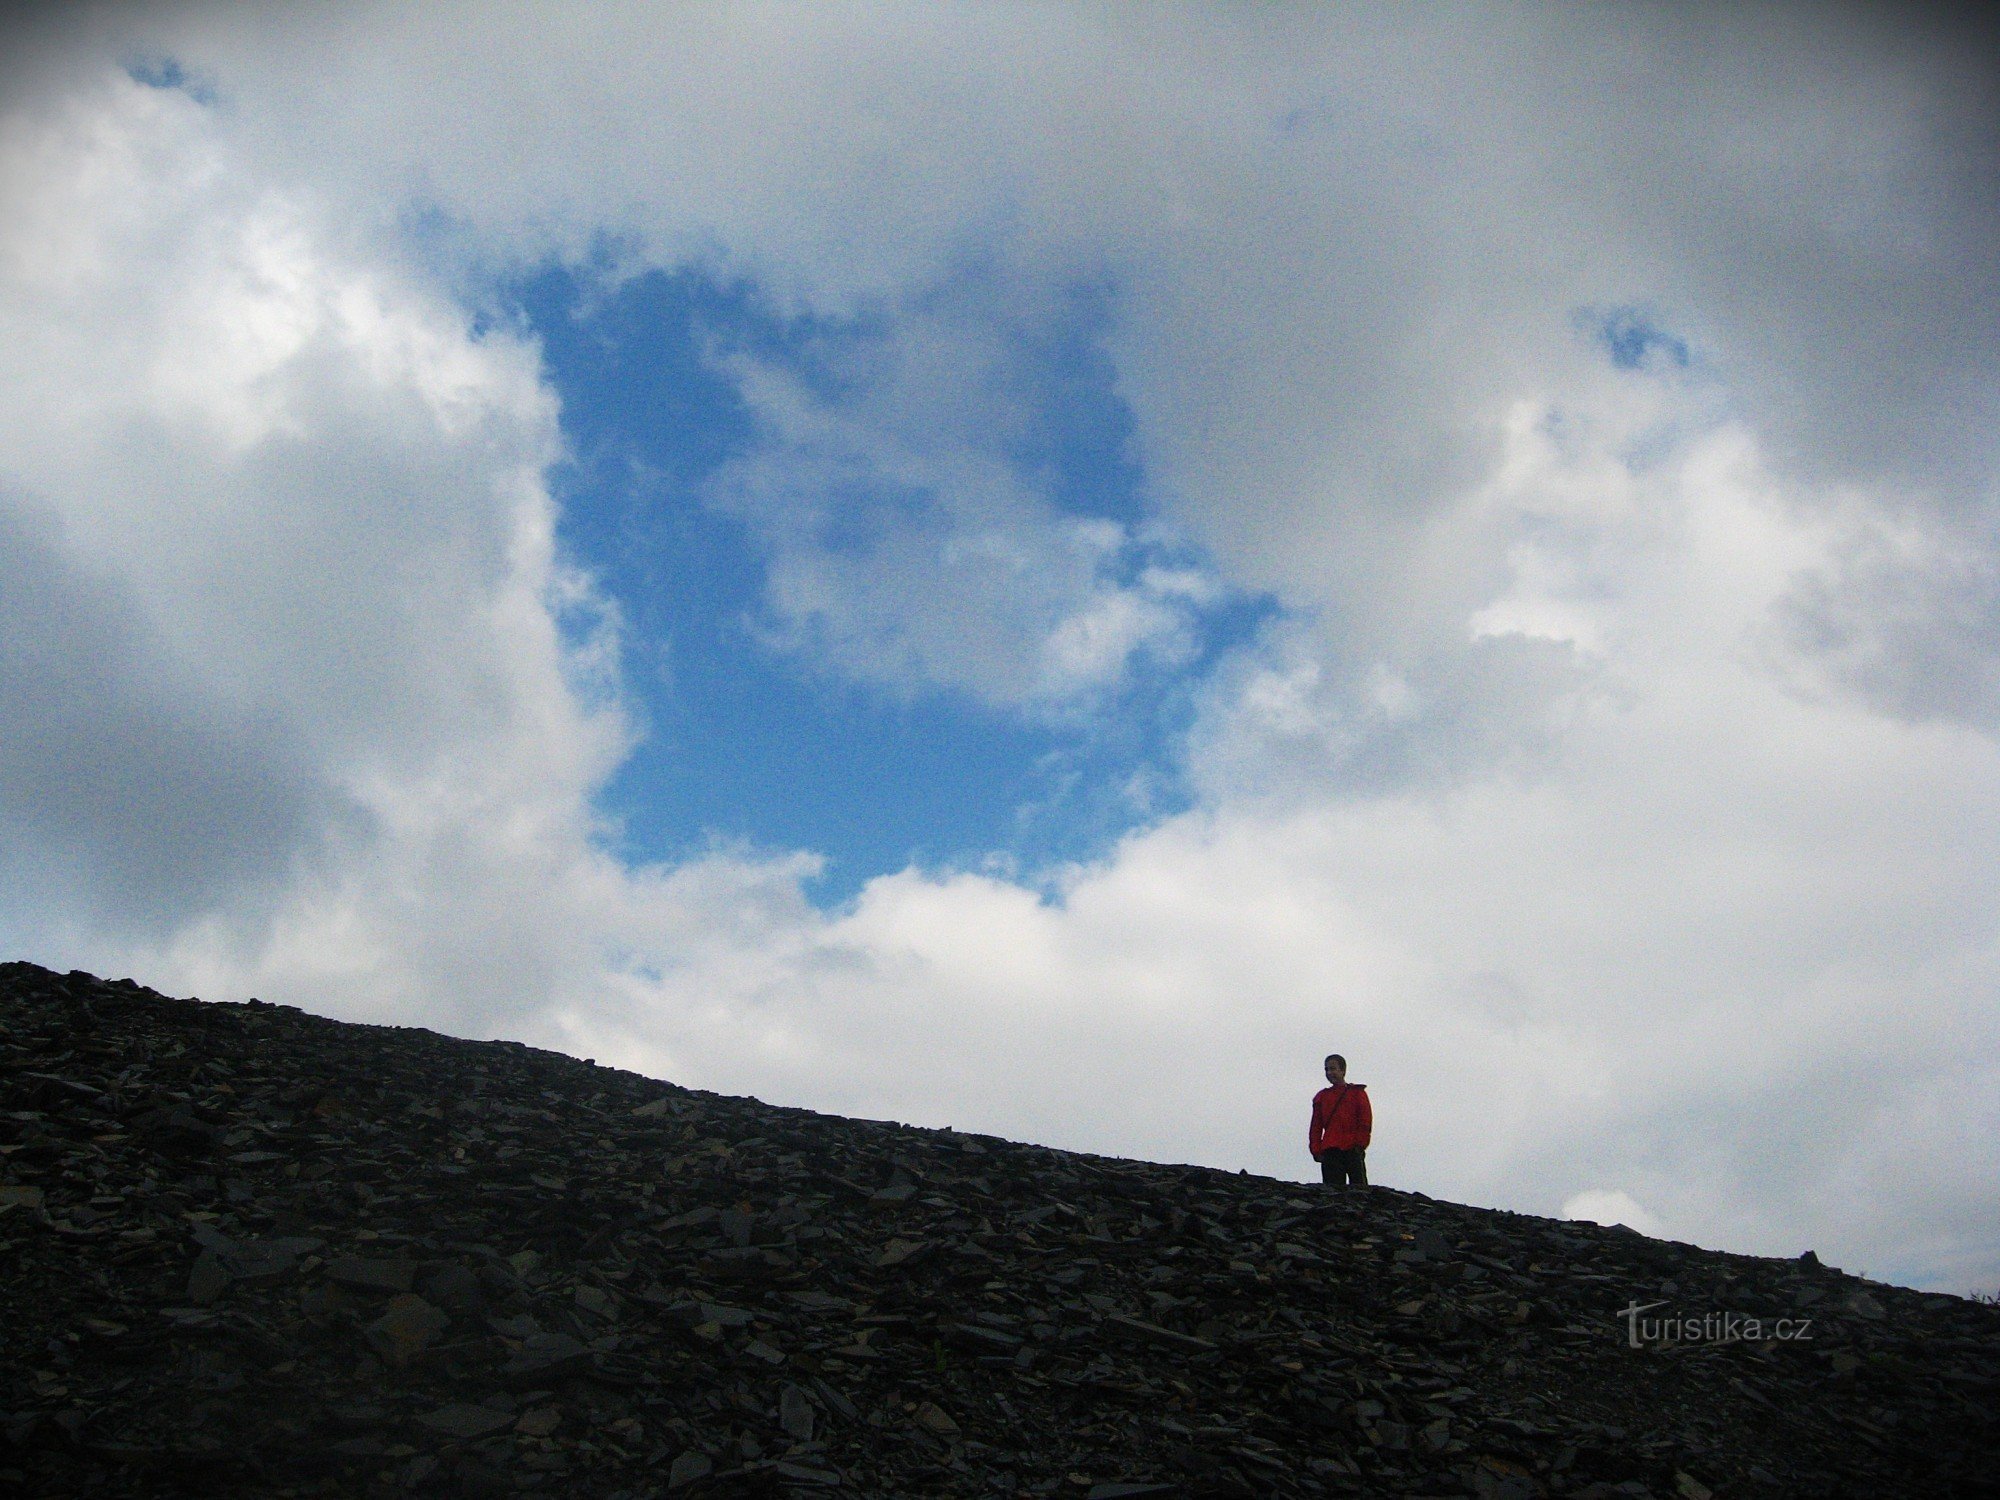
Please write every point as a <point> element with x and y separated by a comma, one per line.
<point>372,1274</point>
<point>408,1326</point>
<point>207,1280</point>
<point>545,1356</point>
<point>456,1288</point>
<point>465,1421</point>
<point>795,1414</point>
<point>689,1467</point>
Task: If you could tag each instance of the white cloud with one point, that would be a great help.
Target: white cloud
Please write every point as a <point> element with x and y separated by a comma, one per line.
<point>1619,793</point>
<point>287,524</point>
<point>910,549</point>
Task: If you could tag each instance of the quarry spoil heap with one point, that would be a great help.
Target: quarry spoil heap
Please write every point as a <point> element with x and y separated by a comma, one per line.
<point>249,1251</point>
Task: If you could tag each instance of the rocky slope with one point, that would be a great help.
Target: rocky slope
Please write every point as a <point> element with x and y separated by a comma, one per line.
<point>249,1251</point>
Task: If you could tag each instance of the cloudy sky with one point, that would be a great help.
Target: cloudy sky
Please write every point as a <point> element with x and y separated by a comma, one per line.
<point>1037,568</point>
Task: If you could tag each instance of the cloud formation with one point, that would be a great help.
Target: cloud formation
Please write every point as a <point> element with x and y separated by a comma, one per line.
<point>285,523</point>
<point>911,547</point>
<point>1617,786</point>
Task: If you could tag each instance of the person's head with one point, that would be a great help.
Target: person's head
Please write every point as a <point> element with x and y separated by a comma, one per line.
<point>1336,1068</point>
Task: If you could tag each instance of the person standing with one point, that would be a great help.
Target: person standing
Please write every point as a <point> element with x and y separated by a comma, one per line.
<point>1342,1122</point>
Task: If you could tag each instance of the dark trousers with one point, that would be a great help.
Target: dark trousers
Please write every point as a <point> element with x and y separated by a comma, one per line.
<point>1339,1168</point>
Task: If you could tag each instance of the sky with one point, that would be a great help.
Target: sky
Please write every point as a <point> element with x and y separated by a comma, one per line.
<point>1037,569</point>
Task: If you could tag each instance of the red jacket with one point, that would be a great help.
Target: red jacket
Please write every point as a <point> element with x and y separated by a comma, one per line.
<point>1341,1119</point>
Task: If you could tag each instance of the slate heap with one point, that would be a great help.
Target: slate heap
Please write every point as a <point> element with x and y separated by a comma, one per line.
<point>250,1251</point>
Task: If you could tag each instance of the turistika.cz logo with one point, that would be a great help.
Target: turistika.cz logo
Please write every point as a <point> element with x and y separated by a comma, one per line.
<point>1709,1328</point>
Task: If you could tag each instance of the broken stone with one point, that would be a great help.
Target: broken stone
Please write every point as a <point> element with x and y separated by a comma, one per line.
<point>465,1421</point>
<point>1153,1333</point>
<point>407,1327</point>
<point>803,1473</point>
<point>525,1263</point>
<point>372,1275</point>
<point>795,1413</point>
<point>540,1422</point>
<point>1863,1305</point>
<point>546,1355</point>
<point>207,1280</point>
<point>689,1467</point>
<point>456,1288</point>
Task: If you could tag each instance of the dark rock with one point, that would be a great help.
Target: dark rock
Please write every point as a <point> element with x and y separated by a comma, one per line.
<point>465,1421</point>
<point>207,1280</point>
<point>795,1413</point>
<point>408,1326</point>
<point>688,1468</point>
<point>456,1288</point>
<point>545,1356</point>
<point>372,1275</point>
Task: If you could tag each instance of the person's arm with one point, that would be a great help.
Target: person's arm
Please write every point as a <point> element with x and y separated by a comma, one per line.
<point>1364,1118</point>
<point>1314,1130</point>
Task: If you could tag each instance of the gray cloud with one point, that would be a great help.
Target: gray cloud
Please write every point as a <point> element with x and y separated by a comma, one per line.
<point>1909,618</point>
<point>131,795</point>
<point>1341,242</point>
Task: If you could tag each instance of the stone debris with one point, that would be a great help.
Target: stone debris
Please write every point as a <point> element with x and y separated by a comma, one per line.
<point>408,1326</point>
<point>253,1252</point>
<point>464,1420</point>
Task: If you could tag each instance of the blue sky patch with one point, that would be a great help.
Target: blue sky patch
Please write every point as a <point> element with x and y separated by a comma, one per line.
<point>165,72</point>
<point>1635,340</point>
<point>748,742</point>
